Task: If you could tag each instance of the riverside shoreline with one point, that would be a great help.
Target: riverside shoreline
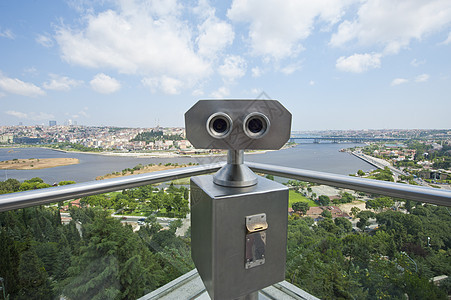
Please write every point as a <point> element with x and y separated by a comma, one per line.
<point>36,163</point>
<point>154,154</point>
<point>157,154</point>
<point>317,157</point>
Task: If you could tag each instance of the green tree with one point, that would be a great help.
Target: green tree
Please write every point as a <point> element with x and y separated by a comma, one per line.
<point>409,205</point>
<point>112,258</point>
<point>385,174</point>
<point>344,224</point>
<point>186,194</point>
<point>346,198</point>
<point>35,179</point>
<point>120,201</point>
<point>379,203</point>
<point>66,182</point>
<point>9,263</point>
<point>323,200</point>
<point>270,177</point>
<point>33,279</point>
<point>9,186</point>
<point>301,207</point>
<point>354,211</point>
<point>364,216</point>
<point>326,214</point>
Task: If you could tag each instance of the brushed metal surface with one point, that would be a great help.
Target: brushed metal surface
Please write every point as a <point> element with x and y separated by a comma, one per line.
<point>235,173</point>
<point>235,176</point>
<point>218,230</point>
<point>278,130</point>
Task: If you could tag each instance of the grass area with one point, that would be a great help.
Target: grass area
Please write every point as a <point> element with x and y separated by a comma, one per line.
<point>298,197</point>
<point>138,212</point>
<point>36,163</point>
<point>182,181</point>
<point>131,213</point>
<point>112,194</point>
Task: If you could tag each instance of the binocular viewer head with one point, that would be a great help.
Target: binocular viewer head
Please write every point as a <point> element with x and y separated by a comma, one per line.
<point>238,124</point>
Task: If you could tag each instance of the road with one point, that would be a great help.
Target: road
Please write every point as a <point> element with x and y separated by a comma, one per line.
<point>380,164</point>
<point>164,222</point>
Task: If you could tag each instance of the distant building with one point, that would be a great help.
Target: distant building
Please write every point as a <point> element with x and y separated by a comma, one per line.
<point>434,174</point>
<point>6,139</point>
<point>315,212</point>
<point>27,140</point>
<point>52,123</point>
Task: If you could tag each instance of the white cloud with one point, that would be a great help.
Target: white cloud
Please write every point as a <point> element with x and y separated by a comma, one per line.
<point>167,85</point>
<point>61,83</point>
<point>447,41</point>
<point>19,87</point>
<point>7,34</point>
<point>277,28</point>
<point>40,116</point>
<point>170,85</point>
<point>145,38</point>
<point>104,84</point>
<point>31,116</point>
<point>417,63</point>
<point>419,78</point>
<point>197,92</point>
<point>255,91</point>
<point>234,67</point>
<point>81,113</point>
<point>214,37</point>
<point>257,72</point>
<point>45,40</point>
<point>31,70</point>
<point>291,68</point>
<point>398,81</point>
<point>17,114</point>
<point>311,82</point>
<point>359,63</point>
<point>214,34</point>
<point>152,82</point>
<point>220,93</point>
<point>422,78</point>
<point>393,24</point>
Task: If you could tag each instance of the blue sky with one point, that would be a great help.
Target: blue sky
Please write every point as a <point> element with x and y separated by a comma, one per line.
<point>335,64</point>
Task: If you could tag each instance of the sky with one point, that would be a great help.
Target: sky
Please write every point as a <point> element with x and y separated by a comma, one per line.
<point>334,64</point>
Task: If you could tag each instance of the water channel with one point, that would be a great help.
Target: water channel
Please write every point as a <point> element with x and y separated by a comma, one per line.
<point>324,157</point>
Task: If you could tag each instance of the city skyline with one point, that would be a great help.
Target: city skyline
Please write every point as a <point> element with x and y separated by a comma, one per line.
<point>334,64</point>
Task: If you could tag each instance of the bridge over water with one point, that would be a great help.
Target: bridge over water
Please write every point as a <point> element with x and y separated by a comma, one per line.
<point>338,139</point>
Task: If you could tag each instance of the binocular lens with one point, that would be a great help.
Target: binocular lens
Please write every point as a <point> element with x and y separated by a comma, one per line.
<point>219,125</point>
<point>256,125</point>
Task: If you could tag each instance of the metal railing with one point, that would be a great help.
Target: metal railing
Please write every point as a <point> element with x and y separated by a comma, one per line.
<point>385,188</point>
<point>55,194</point>
<point>66,192</point>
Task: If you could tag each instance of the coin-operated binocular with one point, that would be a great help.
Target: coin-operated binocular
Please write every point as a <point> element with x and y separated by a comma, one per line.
<point>238,219</point>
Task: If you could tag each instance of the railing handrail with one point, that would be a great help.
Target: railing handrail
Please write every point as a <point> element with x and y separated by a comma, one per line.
<point>77,190</point>
<point>385,188</point>
<point>61,193</point>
